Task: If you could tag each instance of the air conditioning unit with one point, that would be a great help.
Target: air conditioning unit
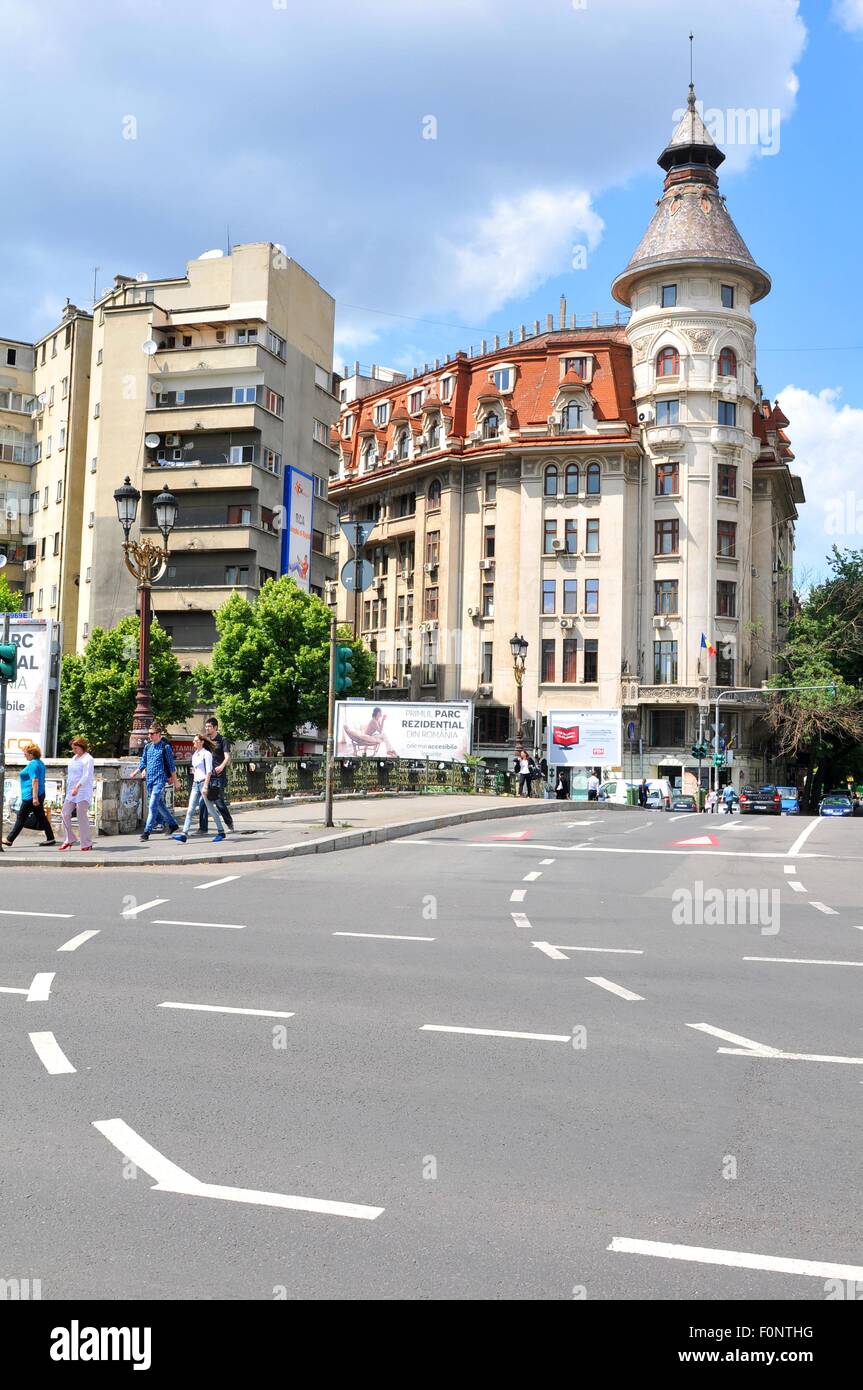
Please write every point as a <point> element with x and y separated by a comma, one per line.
<point>558,545</point>
<point>220,335</point>
<point>475,436</point>
<point>172,440</point>
<point>567,624</point>
<point>380,583</point>
<point>486,564</point>
<point>646,415</point>
<point>404,630</point>
<point>473,612</point>
<point>406,574</point>
<point>391,455</point>
<point>29,565</point>
<point>660,620</point>
<point>430,568</point>
<point>11,514</point>
<point>484,692</point>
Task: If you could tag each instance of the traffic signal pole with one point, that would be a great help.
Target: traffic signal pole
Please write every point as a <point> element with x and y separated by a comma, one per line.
<point>4,687</point>
<point>331,719</point>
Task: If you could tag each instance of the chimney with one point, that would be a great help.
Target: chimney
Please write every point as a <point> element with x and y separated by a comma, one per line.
<point>522,333</point>
<point>536,326</point>
<point>549,323</point>
<point>562,312</point>
<point>572,321</point>
<point>496,342</point>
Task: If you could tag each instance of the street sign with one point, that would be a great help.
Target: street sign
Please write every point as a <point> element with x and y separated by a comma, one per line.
<point>358,532</point>
<point>630,731</point>
<point>357,577</point>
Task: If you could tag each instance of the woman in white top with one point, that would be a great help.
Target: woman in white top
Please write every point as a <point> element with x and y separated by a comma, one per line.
<point>79,793</point>
<point>202,771</point>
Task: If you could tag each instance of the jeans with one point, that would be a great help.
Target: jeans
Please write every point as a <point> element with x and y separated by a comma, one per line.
<point>83,817</point>
<point>224,812</point>
<point>212,806</point>
<point>157,810</point>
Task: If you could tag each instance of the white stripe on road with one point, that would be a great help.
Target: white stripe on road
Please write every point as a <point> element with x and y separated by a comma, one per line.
<point>801,839</point>
<point>519,919</point>
<point>790,869</point>
<point>7,989</point>
<point>612,987</point>
<point>796,885</point>
<point>214,883</point>
<point>796,960</point>
<point>383,936</point>
<point>556,952</point>
<point>40,988</point>
<point>588,845</point>
<point>223,1009</point>
<point>546,861</point>
<point>13,912</point>
<point>169,1178</point>
<point>518,895</point>
<point>50,1054</point>
<point>737,1259</point>
<point>133,911</point>
<point>642,826</point>
<point>173,922</point>
<point>74,942</point>
<point>822,907</point>
<point>756,1049</point>
<point>496,1033</point>
<point>532,877</point>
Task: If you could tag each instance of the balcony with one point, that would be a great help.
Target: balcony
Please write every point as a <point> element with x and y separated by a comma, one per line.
<point>171,596</point>
<point>212,475</point>
<point>213,358</point>
<point>663,437</point>
<point>209,536</point>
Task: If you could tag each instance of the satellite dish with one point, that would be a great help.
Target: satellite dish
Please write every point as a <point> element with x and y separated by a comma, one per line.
<point>152,441</point>
<point>3,561</point>
<point>211,255</point>
<point>150,347</point>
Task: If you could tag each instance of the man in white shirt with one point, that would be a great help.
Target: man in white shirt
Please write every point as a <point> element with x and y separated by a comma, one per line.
<point>592,787</point>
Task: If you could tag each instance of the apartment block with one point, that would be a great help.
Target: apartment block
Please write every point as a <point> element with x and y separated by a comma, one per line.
<point>17,450</point>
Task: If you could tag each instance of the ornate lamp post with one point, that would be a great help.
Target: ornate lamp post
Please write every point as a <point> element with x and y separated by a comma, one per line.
<point>146,563</point>
<point>518,647</point>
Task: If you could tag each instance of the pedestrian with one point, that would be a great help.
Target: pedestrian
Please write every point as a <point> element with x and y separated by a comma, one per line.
<point>523,773</point>
<point>79,794</point>
<point>642,792</point>
<point>31,811</point>
<point>158,767</point>
<point>219,779</point>
<point>729,798</point>
<point>561,786</point>
<point>202,774</point>
<point>710,803</point>
<point>593,787</point>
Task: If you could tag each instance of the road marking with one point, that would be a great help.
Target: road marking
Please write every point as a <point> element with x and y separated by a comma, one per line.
<point>756,1049</point>
<point>13,912</point>
<point>383,936</point>
<point>796,960</point>
<point>518,895</point>
<point>173,922</point>
<point>50,1054</point>
<point>133,911</point>
<point>520,919</point>
<point>698,840</point>
<point>612,987</point>
<point>223,1009</point>
<point>496,1033</point>
<point>7,989</point>
<point>514,835</point>
<point>605,849</point>
<point>170,1178</point>
<point>822,907</point>
<point>801,839</point>
<point>641,826</point>
<point>591,820</point>
<point>546,861</point>
<point>214,883</point>
<point>556,952</point>
<point>796,885</point>
<point>738,1259</point>
<point>790,869</point>
<point>76,941</point>
<point>532,876</point>
<point>40,988</point>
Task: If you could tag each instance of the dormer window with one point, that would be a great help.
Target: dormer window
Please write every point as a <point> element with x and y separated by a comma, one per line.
<point>433,435</point>
<point>502,378</point>
<point>728,362</point>
<point>579,365</point>
<point>347,426</point>
<point>668,298</point>
<point>571,416</point>
<point>415,402</point>
<point>369,457</point>
<point>382,413</point>
<point>491,426</point>
<point>402,445</point>
<point>446,384</point>
<point>668,362</point>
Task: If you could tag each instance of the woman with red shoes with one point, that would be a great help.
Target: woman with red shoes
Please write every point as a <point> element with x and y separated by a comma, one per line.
<point>79,794</point>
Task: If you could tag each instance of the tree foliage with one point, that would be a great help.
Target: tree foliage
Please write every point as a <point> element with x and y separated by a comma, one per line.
<point>270,666</point>
<point>97,689</point>
<point>10,599</point>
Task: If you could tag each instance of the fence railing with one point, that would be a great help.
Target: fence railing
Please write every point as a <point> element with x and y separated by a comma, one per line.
<point>265,779</point>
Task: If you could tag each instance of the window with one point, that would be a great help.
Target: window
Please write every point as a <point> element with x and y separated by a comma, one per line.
<point>11,357</point>
<point>264,576</point>
<point>490,426</point>
<point>488,542</point>
<point>591,546</point>
<point>570,595</point>
<point>54,346</point>
<point>430,603</point>
<point>446,385</point>
<point>728,362</point>
<point>571,416</point>
<point>382,413</point>
<point>667,412</point>
<point>594,479</point>
<point>276,345</point>
<point>347,426</point>
<point>236,574</point>
<point>727,480</point>
<point>727,292</point>
<point>245,335</point>
<point>547,659</point>
<point>381,560</point>
<point>433,547</point>
<point>49,446</point>
<point>68,338</point>
<point>726,598</point>
<point>187,340</point>
<point>571,533</point>
<point>51,398</point>
<point>491,487</point>
<point>272,401</point>
<point>666,537</point>
<point>407,504</point>
<point>549,486</point>
<point>322,378</point>
<point>726,539</point>
<point>64,388</point>
<point>245,395</point>
<point>668,298</point>
<point>665,597</point>
<point>725,664</point>
<point>241,453</point>
<point>370,454</point>
<point>591,661</point>
<point>549,600</point>
<point>591,596</point>
<point>239,516</point>
<point>268,519</point>
<point>667,728</point>
<point>40,600</point>
<point>667,479</point>
<point>320,432</point>
<point>429,659</point>
<point>88,574</point>
<point>99,357</point>
<point>488,600</point>
<point>579,365</point>
<point>668,362</point>
<point>272,462</point>
<point>403,444</point>
<point>571,483</point>
<point>502,378</point>
<point>727,412</point>
<point>415,401</point>
<point>433,434</point>
<point>91,520</point>
<point>56,542</point>
<point>549,536</point>
<point>92,465</point>
<point>43,543</point>
<point>487,664</point>
<point>665,663</point>
<point>570,659</point>
<point>433,496</point>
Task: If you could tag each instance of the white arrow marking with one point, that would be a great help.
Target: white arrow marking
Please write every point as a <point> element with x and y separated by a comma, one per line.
<point>739,1259</point>
<point>556,951</point>
<point>40,989</point>
<point>613,988</point>
<point>50,1054</point>
<point>76,941</point>
<point>756,1049</point>
<point>548,950</point>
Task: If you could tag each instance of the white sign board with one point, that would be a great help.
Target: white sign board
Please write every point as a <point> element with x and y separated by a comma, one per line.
<point>297,538</point>
<point>395,730</point>
<point>584,737</point>
<point>28,704</point>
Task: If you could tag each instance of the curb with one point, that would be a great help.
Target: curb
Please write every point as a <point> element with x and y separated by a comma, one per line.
<point>350,839</point>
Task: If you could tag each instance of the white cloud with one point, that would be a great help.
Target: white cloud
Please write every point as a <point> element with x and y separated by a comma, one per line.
<point>827,439</point>
<point>849,13</point>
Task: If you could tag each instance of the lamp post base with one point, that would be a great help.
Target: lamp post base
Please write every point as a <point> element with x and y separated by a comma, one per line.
<point>141,720</point>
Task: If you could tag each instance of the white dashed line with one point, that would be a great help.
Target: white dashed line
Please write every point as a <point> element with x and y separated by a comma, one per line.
<point>76,941</point>
<point>546,861</point>
<point>532,877</point>
<point>13,912</point>
<point>223,1009</point>
<point>40,989</point>
<point>496,1033</point>
<point>215,883</point>
<point>796,885</point>
<point>822,907</point>
<point>50,1054</point>
<point>790,869</point>
<point>518,895</point>
<point>738,1259</point>
<point>383,936</point>
<point>795,960</point>
<point>133,911</point>
<point>520,919</point>
<point>173,922</point>
<point>613,988</point>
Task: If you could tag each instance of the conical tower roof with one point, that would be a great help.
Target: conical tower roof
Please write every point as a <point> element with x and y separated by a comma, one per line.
<point>691,225</point>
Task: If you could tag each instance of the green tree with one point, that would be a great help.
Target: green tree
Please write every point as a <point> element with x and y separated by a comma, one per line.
<point>97,688</point>
<point>10,599</point>
<point>270,667</point>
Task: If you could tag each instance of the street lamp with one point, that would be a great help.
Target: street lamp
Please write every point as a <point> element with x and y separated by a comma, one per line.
<point>146,562</point>
<point>518,647</point>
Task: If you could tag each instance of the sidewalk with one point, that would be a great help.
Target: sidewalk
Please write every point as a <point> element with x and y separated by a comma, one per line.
<point>280,832</point>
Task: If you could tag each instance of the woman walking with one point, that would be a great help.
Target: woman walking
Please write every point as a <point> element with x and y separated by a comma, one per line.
<point>79,794</point>
<point>32,778</point>
<point>202,771</point>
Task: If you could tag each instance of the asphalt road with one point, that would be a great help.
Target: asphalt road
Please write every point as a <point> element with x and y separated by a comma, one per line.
<point>357,1148</point>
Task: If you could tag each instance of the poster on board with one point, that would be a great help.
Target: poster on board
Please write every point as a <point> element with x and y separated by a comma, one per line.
<point>299,502</point>
<point>584,737</point>
<point>394,729</point>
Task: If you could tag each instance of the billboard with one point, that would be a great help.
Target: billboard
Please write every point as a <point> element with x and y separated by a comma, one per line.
<point>299,502</point>
<point>31,704</point>
<point>365,729</point>
<point>584,737</point>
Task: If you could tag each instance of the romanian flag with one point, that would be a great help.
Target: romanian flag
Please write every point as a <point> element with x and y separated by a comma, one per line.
<point>707,646</point>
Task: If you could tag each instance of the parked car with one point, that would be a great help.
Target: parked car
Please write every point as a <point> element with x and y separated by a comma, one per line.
<point>761,800</point>
<point>836,804</point>
<point>616,789</point>
<point>656,801</point>
<point>790,801</point>
<point>679,802</point>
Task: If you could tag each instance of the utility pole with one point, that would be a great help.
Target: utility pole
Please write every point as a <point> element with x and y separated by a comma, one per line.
<point>4,687</point>
<point>331,719</point>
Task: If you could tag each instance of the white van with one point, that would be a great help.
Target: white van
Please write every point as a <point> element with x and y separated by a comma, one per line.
<point>615,790</point>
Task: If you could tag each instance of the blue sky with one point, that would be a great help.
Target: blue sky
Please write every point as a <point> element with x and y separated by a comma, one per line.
<point>304,122</point>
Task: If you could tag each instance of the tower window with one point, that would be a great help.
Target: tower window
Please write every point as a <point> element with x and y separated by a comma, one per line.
<point>728,296</point>
<point>727,412</point>
<point>668,362</point>
<point>727,362</point>
<point>669,296</point>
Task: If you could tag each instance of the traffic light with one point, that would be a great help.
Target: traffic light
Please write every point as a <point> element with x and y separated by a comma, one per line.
<point>8,662</point>
<point>699,751</point>
<point>718,759</point>
<point>344,669</point>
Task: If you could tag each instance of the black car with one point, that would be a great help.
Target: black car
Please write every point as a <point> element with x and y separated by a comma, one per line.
<point>766,801</point>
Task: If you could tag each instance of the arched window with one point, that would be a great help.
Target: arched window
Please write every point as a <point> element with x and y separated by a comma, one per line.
<point>572,480</point>
<point>490,426</point>
<point>549,486</point>
<point>369,455</point>
<point>433,436</point>
<point>668,362</point>
<point>402,445</point>
<point>728,362</point>
<point>433,502</point>
<point>594,479</point>
<point>572,416</point>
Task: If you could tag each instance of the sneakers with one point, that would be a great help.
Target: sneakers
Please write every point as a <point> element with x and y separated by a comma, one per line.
<point>180,838</point>
<point>145,835</point>
<point>172,829</point>
<point>217,839</point>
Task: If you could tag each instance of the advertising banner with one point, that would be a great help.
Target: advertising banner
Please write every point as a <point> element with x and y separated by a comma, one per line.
<point>396,730</point>
<point>299,503</point>
<point>584,737</point>
<point>29,713</point>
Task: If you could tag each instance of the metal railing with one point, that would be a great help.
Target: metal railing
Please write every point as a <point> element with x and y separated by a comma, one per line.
<point>266,779</point>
